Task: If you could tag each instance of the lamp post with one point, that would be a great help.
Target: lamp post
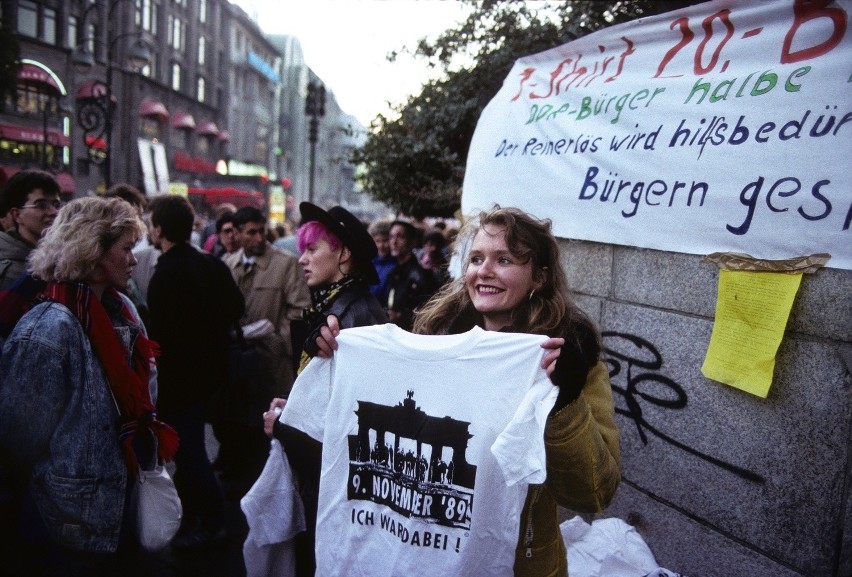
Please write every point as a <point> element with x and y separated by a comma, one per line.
<point>48,101</point>
<point>95,115</point>
<point>315,108</point>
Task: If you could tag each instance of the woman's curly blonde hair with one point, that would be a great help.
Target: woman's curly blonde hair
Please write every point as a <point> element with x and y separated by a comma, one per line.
<point>82,232</point>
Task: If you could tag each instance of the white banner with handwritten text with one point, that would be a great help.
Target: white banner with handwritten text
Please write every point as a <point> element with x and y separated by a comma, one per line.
<point>725,126</point>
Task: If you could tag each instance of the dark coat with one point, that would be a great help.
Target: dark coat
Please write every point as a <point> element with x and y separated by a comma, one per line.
<point>408,286</point>
<point>193,302</point>
<point>355,306</point>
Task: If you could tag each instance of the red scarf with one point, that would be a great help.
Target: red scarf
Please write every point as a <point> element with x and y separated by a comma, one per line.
<point>129,385</point>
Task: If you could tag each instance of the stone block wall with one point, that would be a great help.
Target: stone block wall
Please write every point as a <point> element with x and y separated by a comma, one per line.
<point>718,481</point>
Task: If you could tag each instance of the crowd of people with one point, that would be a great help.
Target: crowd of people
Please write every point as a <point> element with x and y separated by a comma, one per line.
<point>215,320</point>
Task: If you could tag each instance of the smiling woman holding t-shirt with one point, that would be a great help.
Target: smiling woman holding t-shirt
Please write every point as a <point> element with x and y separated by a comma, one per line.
<point>513,281</point>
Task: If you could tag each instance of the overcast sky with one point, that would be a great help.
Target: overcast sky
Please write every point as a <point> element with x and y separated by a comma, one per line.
<point>345,42</point>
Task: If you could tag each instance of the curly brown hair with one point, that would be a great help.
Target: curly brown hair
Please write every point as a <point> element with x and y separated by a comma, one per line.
<point>551,310</point>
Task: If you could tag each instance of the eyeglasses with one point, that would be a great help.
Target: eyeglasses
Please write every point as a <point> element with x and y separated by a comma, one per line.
<point>44,204</point>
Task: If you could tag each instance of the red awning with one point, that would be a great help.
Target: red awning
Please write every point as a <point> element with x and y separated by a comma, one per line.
<point>93,89</point>
<point>32,74</point>
<point>153,107</point>
<point>183,120</point>
<point>235,196</point>
<point>224,136</point>
<point>66,182</point>
<point>208,128</point>
<point>183,161</point>
<point>24,134</point>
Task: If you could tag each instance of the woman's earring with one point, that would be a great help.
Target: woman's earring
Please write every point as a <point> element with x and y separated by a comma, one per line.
<point>532,292</point>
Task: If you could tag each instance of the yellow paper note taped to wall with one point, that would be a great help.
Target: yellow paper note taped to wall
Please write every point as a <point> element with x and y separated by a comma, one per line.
<point>752,309</point>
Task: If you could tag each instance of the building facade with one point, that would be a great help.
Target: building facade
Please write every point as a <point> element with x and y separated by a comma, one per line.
<point>201,102</point>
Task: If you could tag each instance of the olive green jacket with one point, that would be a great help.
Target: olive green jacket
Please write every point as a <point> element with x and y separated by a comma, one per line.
<point>583,472</point>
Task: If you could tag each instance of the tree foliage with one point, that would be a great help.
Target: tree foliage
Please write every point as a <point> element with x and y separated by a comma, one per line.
<point>415,162</point>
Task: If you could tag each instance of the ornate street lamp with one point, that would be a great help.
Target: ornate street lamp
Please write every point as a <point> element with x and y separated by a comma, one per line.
<point>315,108</point>
<point>95,115</point>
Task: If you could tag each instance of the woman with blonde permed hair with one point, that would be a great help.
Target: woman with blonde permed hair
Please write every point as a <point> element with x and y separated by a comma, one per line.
<point>77,396</point>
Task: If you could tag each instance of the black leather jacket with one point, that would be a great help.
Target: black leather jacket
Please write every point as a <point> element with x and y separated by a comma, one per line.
<point>354,306</point>
<point>409,285</point>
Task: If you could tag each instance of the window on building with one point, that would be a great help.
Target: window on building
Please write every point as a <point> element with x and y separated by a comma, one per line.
<point>71,33</point>
<point>150,127</point>
<point>202,87</point>
<point>89,38</point>
<point>48,30</point>
<point>202,50</point>
<point>202,11</point>
<point>143,14</point>
<point>180,141</point>
<point>28,19</point>
<point>176,73</point>
<point>30,101</point>
<point>150,70</point>
<point>178,28</point>
<point>260,152</point>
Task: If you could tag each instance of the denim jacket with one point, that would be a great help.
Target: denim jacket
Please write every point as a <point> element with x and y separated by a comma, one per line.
<point>59,427</point>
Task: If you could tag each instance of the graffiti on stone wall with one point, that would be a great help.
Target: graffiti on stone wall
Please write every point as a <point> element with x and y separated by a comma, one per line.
<point>640,362</point>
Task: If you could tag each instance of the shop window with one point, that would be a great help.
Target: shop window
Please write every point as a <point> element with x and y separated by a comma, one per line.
<point>29,101</point>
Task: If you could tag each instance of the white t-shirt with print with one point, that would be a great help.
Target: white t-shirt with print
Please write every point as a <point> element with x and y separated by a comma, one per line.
<point>429,444</point>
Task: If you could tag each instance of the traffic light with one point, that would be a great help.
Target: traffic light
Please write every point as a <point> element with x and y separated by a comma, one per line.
<point>321,100</point>
<point>315,100</point>
<point>311,100</point>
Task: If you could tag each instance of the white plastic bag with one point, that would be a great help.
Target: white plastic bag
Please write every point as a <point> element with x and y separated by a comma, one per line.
<point>275,515</point>
<point>606,548</point>
<point>159,510</point>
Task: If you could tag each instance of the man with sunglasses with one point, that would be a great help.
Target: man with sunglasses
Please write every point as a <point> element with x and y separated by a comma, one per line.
<point>31,199</point>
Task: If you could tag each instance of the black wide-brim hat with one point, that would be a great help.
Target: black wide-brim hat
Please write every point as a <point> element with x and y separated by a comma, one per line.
<point>350,231</point>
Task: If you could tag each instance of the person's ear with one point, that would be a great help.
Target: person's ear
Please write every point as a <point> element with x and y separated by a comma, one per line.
<point>98,274</point>
<point>541,276</point>
<point>345,255</point>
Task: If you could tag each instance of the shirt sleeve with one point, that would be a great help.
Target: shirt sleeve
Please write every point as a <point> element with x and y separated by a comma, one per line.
<point>519,448</point>
<point>308,401</point>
